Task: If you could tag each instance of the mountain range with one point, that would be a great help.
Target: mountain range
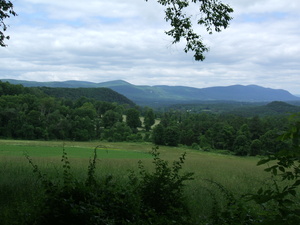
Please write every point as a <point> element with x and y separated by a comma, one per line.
<point>166,95</point>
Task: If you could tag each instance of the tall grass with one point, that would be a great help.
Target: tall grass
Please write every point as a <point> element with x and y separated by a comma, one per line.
<point>19,187</point>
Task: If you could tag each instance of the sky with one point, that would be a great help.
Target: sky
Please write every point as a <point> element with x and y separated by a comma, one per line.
<point>105,40</point>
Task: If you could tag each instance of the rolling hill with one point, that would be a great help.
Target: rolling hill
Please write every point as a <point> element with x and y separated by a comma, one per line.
<point>100,94</point>
<point>166,95</point>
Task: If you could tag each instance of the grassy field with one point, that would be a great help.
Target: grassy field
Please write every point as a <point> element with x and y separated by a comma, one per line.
<point>18,184</point>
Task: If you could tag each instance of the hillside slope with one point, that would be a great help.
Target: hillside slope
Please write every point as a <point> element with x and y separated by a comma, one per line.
<point>162,94</point>
<point>100,94</point>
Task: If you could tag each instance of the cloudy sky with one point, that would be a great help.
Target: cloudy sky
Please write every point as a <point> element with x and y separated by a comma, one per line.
<point>104,40</point>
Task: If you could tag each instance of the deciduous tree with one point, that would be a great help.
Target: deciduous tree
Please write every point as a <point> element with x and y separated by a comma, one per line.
<point>158,135</point>
<point>172,136</point>
<point>110,118</point>
<point>149,119</point>
<point>6,11</point>
<point>214,16</point>
<point>133,118</point>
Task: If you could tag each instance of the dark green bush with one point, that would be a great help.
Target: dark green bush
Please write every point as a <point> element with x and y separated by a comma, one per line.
<point>161,191</point>
<point>279,200</point>
<point>146,198</point>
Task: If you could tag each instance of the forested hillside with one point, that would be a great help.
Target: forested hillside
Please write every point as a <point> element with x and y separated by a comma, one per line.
<point>162,95</point>
<point>30,113</point>
<point>100,94</point>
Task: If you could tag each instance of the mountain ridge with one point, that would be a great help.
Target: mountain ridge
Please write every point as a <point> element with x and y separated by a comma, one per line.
<point>164,94</point>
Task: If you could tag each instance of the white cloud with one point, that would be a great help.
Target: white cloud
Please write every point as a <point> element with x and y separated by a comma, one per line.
<point>106,40</point>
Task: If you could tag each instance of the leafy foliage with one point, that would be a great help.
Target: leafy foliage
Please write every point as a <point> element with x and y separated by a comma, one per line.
<point>6,10</point>
<point>233,211</point>
<point>28,113</point>
<point>149,119</point>
<point>280,200</point>
<point>147,198</point>
<point>240,135</point>
<point>162,191</point>
<point>133,119</point>
<point>214,16</point>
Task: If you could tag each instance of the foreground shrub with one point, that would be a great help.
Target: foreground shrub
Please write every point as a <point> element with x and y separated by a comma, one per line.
<point>146,198</point>
<point>93,201</point>
<point>227,209</point>
<point>161,191</point>
<point>279,201</point>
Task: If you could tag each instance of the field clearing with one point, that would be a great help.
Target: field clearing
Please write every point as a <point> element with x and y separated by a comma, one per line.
<point>231,171</point>
<point>75,150</point>
<point>240,175</point>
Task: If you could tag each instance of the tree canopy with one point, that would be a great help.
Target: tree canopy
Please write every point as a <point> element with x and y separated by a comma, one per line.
<point>6,10</point>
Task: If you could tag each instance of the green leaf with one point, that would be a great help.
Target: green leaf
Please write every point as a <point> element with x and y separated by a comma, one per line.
<point>263,161</point>
<point>293,192</point>
<point>268,169</point>
<point>274,171</point>
<point>297,183</point>
<point>281,169</point>
<point>260,191</point>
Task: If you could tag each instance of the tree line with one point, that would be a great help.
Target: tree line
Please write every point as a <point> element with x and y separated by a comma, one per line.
<point>30,113</point>
<point>206,131</point>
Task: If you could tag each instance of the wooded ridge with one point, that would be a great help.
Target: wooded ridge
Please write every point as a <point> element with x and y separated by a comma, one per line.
<point>163,94</point>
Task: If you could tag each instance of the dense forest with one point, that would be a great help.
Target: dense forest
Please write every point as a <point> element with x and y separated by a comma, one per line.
<point>33,113</point>
<point>206,131</point>
<point>76,114</point>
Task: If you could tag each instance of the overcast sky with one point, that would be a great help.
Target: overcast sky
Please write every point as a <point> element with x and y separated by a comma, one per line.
<point>104,40</point>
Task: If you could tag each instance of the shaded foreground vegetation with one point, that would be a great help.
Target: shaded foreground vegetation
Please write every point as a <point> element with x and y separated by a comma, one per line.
<point>213,189</point>
<point>163,194</point>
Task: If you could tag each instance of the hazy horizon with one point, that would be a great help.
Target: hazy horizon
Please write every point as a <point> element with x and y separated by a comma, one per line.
<point>298,95</point>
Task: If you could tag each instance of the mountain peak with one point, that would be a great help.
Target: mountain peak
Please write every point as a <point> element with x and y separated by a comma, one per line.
<point>114,83</point>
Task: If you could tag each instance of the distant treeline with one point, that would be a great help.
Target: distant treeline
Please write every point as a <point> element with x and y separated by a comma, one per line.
<point>245,109</point>
<point>206,131</point>
<point>33,113</point>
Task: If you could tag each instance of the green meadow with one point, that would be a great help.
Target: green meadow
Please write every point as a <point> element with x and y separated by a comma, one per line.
<point>19,186</point>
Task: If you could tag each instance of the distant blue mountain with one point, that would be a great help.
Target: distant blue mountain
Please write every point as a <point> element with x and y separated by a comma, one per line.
<point>162,94</point>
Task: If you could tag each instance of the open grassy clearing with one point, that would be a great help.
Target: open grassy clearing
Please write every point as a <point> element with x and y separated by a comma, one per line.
<point>74,150</point>
<point>17,181</point>
<point>234,172</point>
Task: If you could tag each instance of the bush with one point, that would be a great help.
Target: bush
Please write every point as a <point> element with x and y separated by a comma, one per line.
<point>196,146</point>
<point>233,210</point>
<point>161,192</point>
<point>134,137</point>
<point>279,200</point>
<point>147,198</point>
